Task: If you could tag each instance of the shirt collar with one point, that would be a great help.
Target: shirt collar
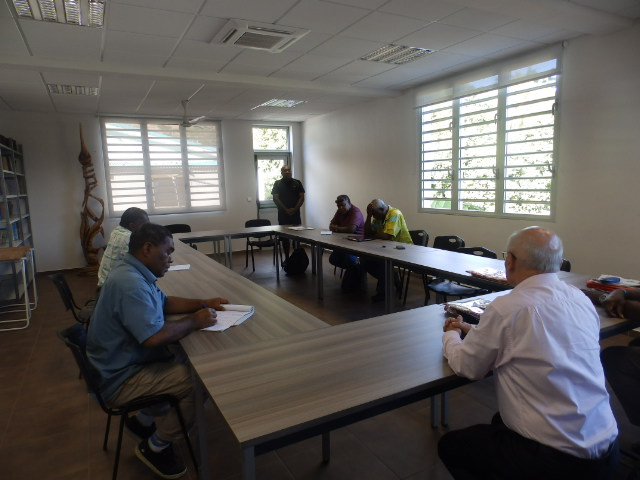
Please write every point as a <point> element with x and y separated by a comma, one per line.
<point>138,265</point>
<point>538,280</point>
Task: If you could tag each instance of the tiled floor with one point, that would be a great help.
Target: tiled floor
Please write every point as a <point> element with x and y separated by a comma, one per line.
<point>50,428</point>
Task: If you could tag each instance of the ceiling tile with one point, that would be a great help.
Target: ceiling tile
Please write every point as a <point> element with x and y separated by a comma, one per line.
<point>485,44</point>
<point>11,42</point>
<point>371,4</point>
<point>148,21</point>
<point>72,78</point>
<point>431,10</point>
<point>254,62</point>
<point>256,10</point>
<point>187,6</point>
<point>437,36</point>
<point>346,47</point>
<point>476,19</point>
<point>525,30</point>
<point>120,94</point>
<point>323,17</point>
<point>203,28</point>
<point>57,40</point>
<point>138,43</point>
<point>383,27</point>
<point>309,67</point>
<point>355,72</point>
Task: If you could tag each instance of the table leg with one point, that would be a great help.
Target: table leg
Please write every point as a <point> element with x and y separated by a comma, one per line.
<point>203,461</point>
<point>313,259</point>
<point>248,463</point>
<point>434,410</point>
<point>444,410</point>
<point>326,447</point>
<point>277,247</point>
<point>388,287</point>
<point>319,275</point>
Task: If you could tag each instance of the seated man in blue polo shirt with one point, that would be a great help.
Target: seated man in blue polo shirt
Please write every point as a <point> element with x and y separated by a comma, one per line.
<point>128,339</point>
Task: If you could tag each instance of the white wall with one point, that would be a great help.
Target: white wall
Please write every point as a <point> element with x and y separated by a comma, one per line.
<point>370,151</point>
<point>56,186</point>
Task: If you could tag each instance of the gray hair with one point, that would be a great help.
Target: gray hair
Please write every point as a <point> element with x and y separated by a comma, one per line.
<point>537,249</point>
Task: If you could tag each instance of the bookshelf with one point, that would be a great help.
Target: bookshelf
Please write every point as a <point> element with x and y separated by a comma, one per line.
<point>15,234</point>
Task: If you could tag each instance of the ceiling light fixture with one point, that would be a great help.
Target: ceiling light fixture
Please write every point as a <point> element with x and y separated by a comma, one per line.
<point>72,90</point>
<point>276,102</point>
<point>396,54</point>
<point>88,13</point>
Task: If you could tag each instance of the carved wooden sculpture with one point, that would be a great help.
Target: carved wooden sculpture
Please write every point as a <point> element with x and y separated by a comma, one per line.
<point>91,224</point>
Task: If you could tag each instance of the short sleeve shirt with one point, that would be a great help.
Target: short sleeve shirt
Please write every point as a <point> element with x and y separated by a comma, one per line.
<point>352,217</point>
<point>130,309</point>
<point>394,225</point>
<point>117,247</point>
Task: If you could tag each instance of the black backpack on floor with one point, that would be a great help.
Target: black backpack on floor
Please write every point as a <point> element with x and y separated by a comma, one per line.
<point>297,262</point>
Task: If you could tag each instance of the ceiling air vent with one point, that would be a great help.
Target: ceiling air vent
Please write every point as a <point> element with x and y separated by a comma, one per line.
<point>259,36</point>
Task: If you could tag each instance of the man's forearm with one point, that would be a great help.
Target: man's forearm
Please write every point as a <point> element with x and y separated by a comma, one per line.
<point>172,331</point>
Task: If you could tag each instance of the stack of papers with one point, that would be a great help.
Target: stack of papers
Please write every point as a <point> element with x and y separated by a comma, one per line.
<point>231,316</point>
<point>608,283</point>
<point>489,273</point>
<point>300,228</point>
<point>471,310</point>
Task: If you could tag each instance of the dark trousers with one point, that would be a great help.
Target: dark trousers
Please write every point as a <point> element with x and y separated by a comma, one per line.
<point>622,369</point>
<point>341,259</point>
<point>495,452</point>
<point>375,268</point>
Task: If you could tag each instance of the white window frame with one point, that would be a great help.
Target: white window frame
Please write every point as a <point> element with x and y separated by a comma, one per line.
<point>285,155</point>
<point>200,171</point>
<point>498,82</point>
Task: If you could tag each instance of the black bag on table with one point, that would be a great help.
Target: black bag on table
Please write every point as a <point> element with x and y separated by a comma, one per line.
<point>297,262</point>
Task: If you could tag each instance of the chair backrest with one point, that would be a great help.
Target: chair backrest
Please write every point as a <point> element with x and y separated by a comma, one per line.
<point>66,295</point>
<point>478,251</point>
<point>178,228</point>
<point>419,237</point>
<point>565,266</point>
<point>75,337</point>
<point>448,242</point>
<point>257,222</point>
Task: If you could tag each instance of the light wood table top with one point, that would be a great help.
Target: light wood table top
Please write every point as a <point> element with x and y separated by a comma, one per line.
<point>274,317</point>
<point>13,254</point>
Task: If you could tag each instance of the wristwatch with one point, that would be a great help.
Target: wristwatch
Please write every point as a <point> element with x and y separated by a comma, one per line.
<point>602,298</point>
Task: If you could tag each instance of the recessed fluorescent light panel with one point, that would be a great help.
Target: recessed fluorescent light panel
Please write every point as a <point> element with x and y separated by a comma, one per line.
<point>72,90</point>
<point>88,13</point>
<point>396,54</point>
<point>276,102</point>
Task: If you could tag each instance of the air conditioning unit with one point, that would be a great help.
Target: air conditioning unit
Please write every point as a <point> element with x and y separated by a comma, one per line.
<point>259,36</point>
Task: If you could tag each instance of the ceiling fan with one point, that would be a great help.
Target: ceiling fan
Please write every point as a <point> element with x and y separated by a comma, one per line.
<point>186,122</point>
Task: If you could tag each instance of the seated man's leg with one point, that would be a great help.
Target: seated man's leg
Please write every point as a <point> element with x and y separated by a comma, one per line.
<point>341,259</point>
<point>162,378</point>
<point>622,369</point>
<point>375,268</point>
<point>494,451</point>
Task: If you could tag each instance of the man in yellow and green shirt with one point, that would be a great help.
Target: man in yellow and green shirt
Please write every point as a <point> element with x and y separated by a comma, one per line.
<point>383,222</point>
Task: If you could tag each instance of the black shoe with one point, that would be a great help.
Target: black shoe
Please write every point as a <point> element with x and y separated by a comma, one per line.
<point>136,430</point>
<point>378,297</point>
<point>165,464</point>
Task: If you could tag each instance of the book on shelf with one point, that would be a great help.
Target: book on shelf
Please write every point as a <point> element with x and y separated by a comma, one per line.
<point>231,316</point>
<point>471,310</point>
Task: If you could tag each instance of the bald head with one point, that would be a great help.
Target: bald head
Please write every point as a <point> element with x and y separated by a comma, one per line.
<point>533,250</point>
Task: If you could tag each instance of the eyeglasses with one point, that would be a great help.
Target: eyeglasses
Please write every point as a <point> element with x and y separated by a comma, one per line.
<point>504,255</point>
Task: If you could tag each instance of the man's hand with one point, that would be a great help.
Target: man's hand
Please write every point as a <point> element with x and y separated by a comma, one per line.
<point>370,210</point>
<point>216,303</point>
<point>333,227</point>
<point>205,317</point>
<point>290,211</point>
<point>456,324</point>
<point>614,303</point>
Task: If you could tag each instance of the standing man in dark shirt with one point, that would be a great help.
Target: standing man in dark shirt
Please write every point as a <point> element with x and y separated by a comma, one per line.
<point>288,195</point>
<point>348,219</point>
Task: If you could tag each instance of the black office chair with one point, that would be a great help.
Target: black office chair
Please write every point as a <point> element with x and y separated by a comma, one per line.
<point>75,337</point>
<point>446,288</point>
<point>81,314</point>
<point>418,237</point>
<point>180,228</point>
<point>259,241</point>
<point>565,266</point>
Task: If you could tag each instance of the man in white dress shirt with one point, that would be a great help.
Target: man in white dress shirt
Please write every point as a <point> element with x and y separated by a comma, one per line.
<point>541,342</point>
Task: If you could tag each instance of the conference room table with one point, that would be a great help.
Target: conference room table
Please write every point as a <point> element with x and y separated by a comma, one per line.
<point>284,375</point>
<point>432,261</point>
